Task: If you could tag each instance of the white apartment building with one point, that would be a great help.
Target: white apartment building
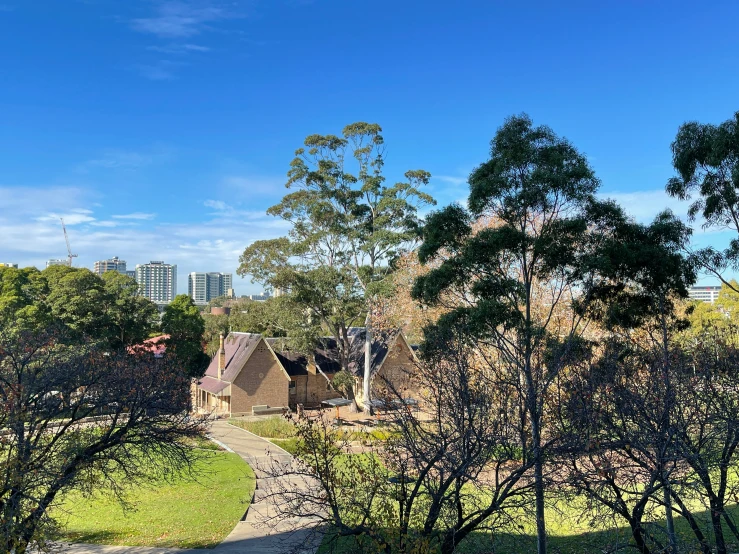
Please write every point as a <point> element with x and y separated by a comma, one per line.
<point>204,287</point>
<point>705,294</point>
<point>157,281</point>
<point>8,264</point>
<point>113,264</point>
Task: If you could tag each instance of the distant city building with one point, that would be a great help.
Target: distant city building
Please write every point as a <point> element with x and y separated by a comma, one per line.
<point>278,292</point>
<point>260,297</point>
<point>113,264</point>
<point>6,264</point>
<point>705,294</point>
<point>204,287</point>
<point>131,274</point>
<point>49,263</point>
<point>157,281</point>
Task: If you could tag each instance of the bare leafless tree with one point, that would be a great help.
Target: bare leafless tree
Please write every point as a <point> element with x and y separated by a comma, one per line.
<point>618,441</point>
<point>450,466</point>
<point>77,417</point>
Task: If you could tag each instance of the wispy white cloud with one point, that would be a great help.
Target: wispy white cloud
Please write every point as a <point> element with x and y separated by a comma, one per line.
<point>141,216</point>
<point>644,205</point>
<point>179,48</point>
<point>255,185</point>
<point>218,205</point>
<point>71,217</point>
<point>227,212</point>
<point>455,180</point>
<point>32,233</point>
<point>174,23</point>
<point>180,19</point>
<point>119,158</point>
<point>126,159</point>
<point>162,70</point>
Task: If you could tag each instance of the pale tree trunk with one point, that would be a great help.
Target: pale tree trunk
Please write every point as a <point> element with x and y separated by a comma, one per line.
<point>672,536</point>
<point>366,397</point>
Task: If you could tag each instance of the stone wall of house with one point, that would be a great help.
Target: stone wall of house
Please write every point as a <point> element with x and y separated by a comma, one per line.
<point>398,369</point>
<point>311,389</point>
<point>262,381</point>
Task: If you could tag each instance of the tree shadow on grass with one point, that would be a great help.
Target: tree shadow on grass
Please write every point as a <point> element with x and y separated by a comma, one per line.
<point>591,541</point>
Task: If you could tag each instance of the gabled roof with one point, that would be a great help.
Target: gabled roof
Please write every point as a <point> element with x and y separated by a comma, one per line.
<point>381,345</point>
<point>294,363</point>
<point>238,346</point>
<point>212,384</point>
<point>326,354</point>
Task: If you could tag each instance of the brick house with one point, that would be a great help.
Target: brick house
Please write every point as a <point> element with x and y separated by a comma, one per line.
<point>250,370</point>
<point>393,362</point>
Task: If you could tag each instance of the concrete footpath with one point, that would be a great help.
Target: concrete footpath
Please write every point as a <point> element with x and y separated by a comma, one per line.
<point>252,535</point>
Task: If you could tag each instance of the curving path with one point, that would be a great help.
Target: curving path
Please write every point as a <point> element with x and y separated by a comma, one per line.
<point>250,536</point>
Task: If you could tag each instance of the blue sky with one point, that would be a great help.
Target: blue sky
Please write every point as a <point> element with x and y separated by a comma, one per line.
<point>163,129</point>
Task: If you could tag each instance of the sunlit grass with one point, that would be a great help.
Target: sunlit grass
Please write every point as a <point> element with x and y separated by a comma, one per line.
<point>185,513</point>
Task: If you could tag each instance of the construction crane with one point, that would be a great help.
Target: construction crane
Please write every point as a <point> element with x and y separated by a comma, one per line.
<point>69,248</point>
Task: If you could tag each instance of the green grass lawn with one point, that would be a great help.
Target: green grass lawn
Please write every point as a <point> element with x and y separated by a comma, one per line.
<point>182,514</point>
<point>567,535</point>
<point>276,427</point>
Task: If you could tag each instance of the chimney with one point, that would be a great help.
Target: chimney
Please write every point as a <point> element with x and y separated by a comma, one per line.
<point>221,358</point>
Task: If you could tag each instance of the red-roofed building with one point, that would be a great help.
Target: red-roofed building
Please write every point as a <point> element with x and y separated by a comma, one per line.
<point>155,345</point>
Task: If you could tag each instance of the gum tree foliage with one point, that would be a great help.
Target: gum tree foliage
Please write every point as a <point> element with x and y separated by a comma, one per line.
<point>275,317</point>
<point>183,323</point>
<point>515,283</point>
<point>706,158</point>
<point>347,227</point>
<point>53,378</point>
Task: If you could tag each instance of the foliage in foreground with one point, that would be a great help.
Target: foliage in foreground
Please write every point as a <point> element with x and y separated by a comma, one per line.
<point>83,418</point>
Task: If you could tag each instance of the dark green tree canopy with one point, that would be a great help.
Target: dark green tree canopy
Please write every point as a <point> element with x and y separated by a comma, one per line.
<point>706,158</point>
<point>108,309</point>
<point>185,326</point>
<point>537,193</point>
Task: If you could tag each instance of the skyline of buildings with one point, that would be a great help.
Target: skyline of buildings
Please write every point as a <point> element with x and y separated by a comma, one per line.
<point>203,287</point>
<point>9,264</point>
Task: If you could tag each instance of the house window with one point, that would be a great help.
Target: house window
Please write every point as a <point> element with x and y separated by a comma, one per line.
<point>292,387</point>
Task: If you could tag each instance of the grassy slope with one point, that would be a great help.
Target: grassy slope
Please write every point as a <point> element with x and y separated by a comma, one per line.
<point>567,535</point>
<point>182,514</point>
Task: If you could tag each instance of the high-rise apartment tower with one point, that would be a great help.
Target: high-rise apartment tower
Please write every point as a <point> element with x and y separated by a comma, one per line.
<point>204,287</point>
<point>157,281</point>
<point>113,264</point>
